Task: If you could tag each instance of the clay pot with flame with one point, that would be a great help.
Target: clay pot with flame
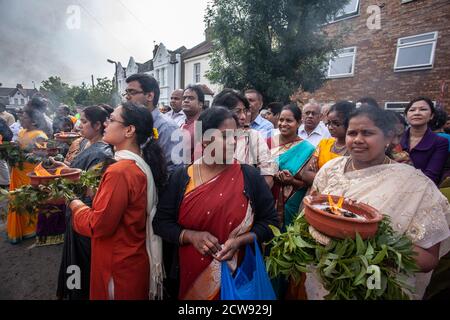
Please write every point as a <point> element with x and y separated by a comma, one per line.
<point>42,177</point>
<point>67,137</point>
<point>364,220</point>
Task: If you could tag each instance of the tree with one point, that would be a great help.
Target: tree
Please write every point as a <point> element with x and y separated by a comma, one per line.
<point>102,92</point>
<point>57,91</point>
<point>274,47</point>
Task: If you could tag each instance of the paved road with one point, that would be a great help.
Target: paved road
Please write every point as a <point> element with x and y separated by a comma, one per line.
<point>28,272</point>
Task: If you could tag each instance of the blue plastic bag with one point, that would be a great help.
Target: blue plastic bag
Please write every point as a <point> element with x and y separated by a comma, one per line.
<point>250,282</point>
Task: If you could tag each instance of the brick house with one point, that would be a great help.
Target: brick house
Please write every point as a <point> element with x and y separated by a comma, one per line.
<point>408,56</point>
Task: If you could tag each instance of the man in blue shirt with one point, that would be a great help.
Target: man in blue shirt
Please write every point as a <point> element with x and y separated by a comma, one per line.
<point>144,89</point>
<point>257,122</point>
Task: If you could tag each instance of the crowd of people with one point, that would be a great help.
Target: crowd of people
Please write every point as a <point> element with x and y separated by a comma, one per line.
<point>186,190</point>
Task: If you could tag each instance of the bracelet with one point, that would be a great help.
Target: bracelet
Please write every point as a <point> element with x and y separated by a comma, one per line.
<point>180,239</point>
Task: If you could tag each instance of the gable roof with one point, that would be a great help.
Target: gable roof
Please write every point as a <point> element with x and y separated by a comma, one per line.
<point>9,92</point>
<point>146,66</point>
<point>202,48</point>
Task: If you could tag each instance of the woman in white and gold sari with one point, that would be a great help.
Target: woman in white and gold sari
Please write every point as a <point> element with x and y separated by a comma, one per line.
<point>413,202</point>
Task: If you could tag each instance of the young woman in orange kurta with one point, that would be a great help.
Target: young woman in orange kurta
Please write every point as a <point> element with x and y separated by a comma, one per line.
<point>119,220</point>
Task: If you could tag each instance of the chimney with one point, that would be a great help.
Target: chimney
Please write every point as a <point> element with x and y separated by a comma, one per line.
<point>19,86</point>
<point>208,33</point>
<point>155,50</point>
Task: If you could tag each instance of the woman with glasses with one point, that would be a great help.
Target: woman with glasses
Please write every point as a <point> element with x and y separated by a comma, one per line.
<point>333,147</point>
<point>126,256</point>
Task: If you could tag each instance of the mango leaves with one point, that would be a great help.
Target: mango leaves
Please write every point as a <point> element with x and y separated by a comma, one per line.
<point>371,269</point>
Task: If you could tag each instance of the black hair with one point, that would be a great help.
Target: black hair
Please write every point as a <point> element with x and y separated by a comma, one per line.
<point>107,108</point>
<point>379,117</point>
<point>397,118</point>
<point>426,99</point>
<point>141,118</point>
<point>148,84</point>
<point>212,118</point>
<point>439,120</point>
<point>368,101</point>
<point>275,107</point>
<point>37,117</point>
<point>230,98</point>
<point>65,108</point>
<point>295,111</point>
<point>343,109</point>
<point>38,103</point>
<point>96,114</point>
<point>260,97</point>
<point>5,131</point>
<point>199,91</point>
<point>2,107</point>
<point>59,124</point>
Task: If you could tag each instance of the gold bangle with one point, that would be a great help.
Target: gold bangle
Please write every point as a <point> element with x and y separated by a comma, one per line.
<point>180,240</point>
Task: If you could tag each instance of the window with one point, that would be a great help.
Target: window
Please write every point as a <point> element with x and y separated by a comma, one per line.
<point>16,101</point>
<point>416,52</point>
<point>22,101</point>
<point>343,65</point>
<point>157,76</point>
<point>349,10</point>
<point>197,73</point>
<point>396,106</point>
<point>163,76</point>
<point>406,1</point>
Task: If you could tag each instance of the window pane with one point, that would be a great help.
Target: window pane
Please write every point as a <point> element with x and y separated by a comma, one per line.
<point>341,65</point>
<point>351,7</point>
<point>412,56</point>
<point>424,37</point>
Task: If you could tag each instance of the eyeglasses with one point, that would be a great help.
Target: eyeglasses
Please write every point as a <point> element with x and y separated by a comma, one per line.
<point>109,120</point>
<point>131,92</point>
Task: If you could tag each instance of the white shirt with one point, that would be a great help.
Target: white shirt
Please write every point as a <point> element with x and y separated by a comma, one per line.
<point>15,128</point>
<point>319,133</point>
<point>178,117</point>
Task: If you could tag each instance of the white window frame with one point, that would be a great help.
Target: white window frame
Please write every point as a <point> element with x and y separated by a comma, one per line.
<point>199,74</point>
<point>398,102</point>
<point>347,15</point>
<point>416,44</point>
<point>343,55</point>
<point>395,102</point>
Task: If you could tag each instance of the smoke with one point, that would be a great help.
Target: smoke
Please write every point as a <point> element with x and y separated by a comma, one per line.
<point>42,38</point>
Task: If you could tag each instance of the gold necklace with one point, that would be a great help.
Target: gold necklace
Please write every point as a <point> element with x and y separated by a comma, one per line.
<point>337,149</point>
<point>385,161</point>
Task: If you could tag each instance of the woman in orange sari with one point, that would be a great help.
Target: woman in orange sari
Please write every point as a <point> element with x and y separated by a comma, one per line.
<point>334,147</point>
<point>211,210</point>
<point>23,225</point>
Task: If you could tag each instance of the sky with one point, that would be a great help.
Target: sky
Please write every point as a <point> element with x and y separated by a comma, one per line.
<point>73,39</point>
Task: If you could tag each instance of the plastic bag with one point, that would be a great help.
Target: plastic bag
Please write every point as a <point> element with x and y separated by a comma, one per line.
<point>250,282</point>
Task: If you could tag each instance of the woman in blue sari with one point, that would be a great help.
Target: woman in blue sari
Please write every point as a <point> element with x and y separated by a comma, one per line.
<point>92,152</point>
<point>291,153</point>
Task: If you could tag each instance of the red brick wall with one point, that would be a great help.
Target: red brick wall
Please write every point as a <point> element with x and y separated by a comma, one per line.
<point>376,49</point>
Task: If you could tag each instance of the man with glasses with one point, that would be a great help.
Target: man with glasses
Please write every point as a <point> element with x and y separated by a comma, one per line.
<point>144,89</point>
<point>312,128</point>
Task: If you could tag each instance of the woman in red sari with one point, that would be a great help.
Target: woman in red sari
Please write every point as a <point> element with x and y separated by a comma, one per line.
<point>119,222</point>
<point>212,209</point>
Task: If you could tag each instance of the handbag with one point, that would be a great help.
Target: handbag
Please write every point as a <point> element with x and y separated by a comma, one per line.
<point>250,282</point>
